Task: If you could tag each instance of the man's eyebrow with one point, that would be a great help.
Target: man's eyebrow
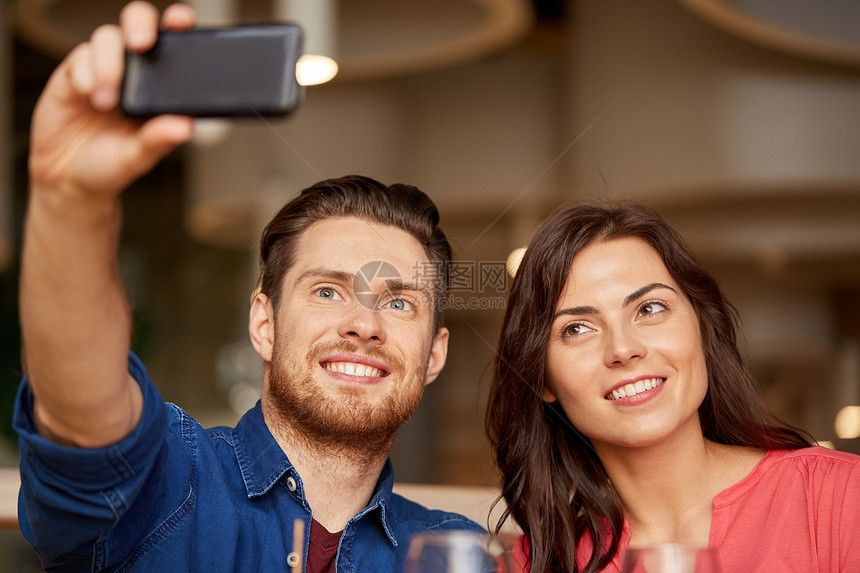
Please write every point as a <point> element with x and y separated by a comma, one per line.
<point>322,272</point>
<point>644,290</point>
<point>397,285</point>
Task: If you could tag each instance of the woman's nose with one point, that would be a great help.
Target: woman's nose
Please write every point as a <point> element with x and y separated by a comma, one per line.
<point>623,345</point>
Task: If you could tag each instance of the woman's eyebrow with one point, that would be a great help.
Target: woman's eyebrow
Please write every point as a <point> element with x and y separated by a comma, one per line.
<point>644,290</point>
<point>576,310</point>
<point>630,298</point>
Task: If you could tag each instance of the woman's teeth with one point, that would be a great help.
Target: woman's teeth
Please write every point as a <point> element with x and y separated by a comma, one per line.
<point>634,388</point>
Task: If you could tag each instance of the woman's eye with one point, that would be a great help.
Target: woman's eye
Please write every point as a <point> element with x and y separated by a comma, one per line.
<point>576,329</point>
<point>651,308</point>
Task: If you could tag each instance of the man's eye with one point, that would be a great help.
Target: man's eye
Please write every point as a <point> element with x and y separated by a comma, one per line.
<point>399,304</point>
<point>327,293</point>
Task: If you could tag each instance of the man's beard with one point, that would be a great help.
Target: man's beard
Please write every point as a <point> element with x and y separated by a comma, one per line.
<point>342,418</point>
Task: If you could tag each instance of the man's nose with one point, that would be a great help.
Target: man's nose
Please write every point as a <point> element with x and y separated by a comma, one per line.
<point>361,323</point>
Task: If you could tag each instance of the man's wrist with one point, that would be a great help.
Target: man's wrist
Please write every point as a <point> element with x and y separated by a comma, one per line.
<point>74,205</point>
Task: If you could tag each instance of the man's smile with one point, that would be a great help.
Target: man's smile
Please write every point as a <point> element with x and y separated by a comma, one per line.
<point>354,369</point>
<point>355,364</point>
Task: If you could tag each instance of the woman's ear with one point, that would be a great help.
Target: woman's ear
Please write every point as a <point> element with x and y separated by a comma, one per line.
<point>261,326</point>
<point>548,395</point>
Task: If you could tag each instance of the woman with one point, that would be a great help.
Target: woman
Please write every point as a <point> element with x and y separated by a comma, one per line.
<point>621,414</point>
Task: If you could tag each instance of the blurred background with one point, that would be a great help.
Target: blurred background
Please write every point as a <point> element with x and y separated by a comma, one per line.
<point>738,120</point>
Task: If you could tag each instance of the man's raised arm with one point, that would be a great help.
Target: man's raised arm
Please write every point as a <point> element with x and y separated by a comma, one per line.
<point>75,315</point>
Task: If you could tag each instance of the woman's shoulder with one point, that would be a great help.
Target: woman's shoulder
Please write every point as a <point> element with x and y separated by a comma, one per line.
<point>813,458</point>
<point>798,507</point>
<point>813,468</point>
<point>817,466</point>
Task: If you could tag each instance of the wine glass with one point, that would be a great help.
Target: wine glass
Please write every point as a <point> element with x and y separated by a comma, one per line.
<point>456,551</point>
<point>670,558</point>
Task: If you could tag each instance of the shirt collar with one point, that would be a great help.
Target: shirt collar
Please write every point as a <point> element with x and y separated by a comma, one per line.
<point>261,460</point>
<point>381,500</point>
<point>262,463</point>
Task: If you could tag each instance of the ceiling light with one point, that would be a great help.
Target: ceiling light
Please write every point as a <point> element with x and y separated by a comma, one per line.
<point>514,260</point>
<point>314,69</point>
<point>848,423</point>
<point>318,19</point>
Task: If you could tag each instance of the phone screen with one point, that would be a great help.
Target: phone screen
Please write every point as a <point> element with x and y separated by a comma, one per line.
<point>246,70</point>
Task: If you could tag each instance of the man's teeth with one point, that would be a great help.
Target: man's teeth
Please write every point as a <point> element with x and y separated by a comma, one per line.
<point>634,388</point>
<point>353,369</point>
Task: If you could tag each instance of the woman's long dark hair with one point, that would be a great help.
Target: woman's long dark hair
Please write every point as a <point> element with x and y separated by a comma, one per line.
<point>552,480</point>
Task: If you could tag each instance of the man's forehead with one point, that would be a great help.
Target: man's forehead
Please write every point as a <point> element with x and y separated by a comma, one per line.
<point>352,233</point>
<point>352,245</point>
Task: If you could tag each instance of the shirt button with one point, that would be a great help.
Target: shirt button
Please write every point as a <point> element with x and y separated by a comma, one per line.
<point>291,484</point>
<point>293,559</point>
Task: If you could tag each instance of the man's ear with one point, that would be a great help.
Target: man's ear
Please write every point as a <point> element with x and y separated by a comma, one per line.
<point>438,354</point>
<point>261,326</point>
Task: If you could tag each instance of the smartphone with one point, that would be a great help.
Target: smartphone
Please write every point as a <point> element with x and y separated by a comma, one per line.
<point>246,70</point>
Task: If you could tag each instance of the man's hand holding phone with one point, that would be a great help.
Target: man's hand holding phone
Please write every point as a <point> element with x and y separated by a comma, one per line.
<point>80,142</point>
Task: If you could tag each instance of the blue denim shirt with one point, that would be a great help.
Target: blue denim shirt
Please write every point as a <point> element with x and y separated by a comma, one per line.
<point>172,496</point>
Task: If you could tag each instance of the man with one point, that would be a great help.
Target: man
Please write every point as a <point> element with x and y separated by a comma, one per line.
<point>115,479</point>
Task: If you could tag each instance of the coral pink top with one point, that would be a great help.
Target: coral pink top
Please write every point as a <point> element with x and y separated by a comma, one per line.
<point>797,511</point>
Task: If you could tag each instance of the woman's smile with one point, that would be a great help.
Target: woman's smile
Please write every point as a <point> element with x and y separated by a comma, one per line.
<point>633,389</point>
